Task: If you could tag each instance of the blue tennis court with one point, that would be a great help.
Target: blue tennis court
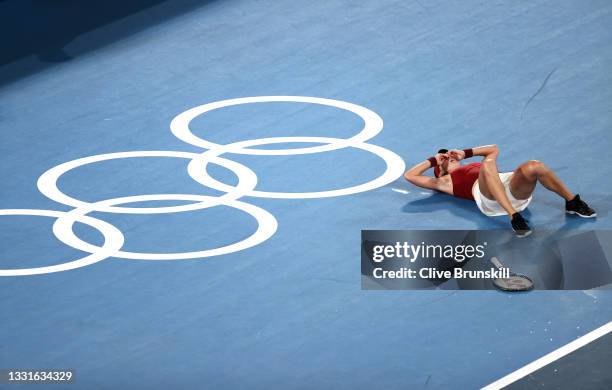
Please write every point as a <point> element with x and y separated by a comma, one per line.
<point>262,289</point>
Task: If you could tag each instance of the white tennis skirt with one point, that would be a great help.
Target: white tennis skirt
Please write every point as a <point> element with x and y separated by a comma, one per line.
<point>490,207</point>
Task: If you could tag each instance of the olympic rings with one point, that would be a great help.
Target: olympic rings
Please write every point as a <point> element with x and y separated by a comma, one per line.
<point>113,240</point>
<point>196,168</point>
<point>395,167</point>
<point>266,227</point>
<point>47,182</point>
<point>373,124</point>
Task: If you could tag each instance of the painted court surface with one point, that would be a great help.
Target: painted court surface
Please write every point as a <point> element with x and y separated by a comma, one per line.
<point>288,312</point>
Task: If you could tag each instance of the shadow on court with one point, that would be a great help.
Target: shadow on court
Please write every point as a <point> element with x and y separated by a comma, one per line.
<point>457,207</point>
<point>38,32</point>
<point>468,210</point>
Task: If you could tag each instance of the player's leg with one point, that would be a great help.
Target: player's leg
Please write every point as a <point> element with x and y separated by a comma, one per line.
<point>528,174</point>
<point>491,186</point>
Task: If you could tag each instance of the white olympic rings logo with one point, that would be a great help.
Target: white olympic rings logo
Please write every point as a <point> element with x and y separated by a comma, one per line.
<point>196,168</point>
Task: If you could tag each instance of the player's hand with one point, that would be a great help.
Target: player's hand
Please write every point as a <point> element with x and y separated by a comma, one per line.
<point>457,154</point>
<point>441,157</point>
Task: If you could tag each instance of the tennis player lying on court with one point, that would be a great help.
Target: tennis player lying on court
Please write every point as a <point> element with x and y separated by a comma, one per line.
<point>495,193</point>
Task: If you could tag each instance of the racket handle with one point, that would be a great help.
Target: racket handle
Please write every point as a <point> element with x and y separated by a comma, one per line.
<point>496,262</point>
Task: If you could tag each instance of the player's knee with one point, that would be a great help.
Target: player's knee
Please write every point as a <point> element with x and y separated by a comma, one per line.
<point>534,168</point>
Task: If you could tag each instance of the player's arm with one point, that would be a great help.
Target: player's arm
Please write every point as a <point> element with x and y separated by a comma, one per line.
<point>491,151</point>
<point>415,175</point>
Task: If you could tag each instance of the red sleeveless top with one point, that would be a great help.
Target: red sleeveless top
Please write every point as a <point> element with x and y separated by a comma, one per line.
<point>463,179</point>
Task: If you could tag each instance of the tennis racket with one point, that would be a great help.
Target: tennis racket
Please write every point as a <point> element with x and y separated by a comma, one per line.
<point>516,282</point>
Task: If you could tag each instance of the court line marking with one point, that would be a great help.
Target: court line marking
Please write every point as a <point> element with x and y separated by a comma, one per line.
<point>551,357</point>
